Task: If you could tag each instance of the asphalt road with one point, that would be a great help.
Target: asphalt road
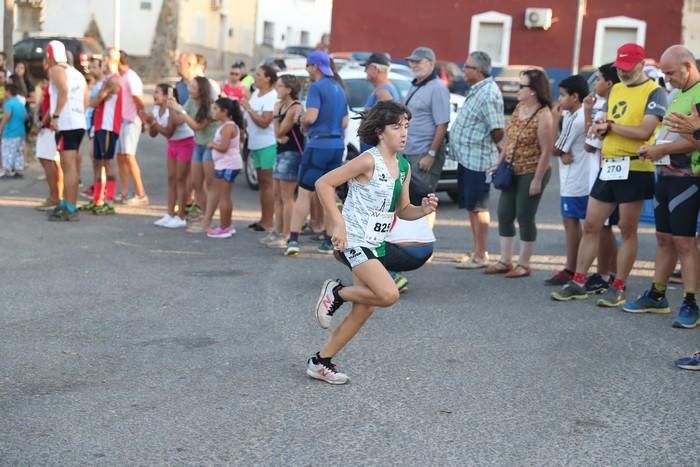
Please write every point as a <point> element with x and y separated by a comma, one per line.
<point>125,344</point>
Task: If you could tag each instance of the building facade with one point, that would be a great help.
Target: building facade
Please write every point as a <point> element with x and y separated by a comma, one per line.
<point>509,31</point>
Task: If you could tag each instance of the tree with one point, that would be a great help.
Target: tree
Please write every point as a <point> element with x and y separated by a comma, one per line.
<point>8,29</point>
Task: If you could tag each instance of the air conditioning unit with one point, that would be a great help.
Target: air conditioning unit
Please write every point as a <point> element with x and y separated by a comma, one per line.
<point>216,4</point>
<point>538,18</point>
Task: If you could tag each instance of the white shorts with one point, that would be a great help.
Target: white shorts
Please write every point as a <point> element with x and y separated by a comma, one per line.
<point>129,138</point>
<point>46,145</point>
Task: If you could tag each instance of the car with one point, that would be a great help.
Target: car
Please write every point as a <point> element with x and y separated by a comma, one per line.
<point>359,90</point>
<point>33,49</point>
<point>508,81</point>
<point>302,50</point>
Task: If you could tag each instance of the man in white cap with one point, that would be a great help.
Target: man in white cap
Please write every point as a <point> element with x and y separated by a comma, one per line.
<point>429,103</point>
<point>68,96</point>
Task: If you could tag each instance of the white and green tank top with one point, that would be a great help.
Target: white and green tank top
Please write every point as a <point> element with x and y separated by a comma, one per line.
<point>369,207</point>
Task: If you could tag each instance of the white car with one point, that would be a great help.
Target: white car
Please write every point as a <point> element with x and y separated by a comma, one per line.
<point>359,90</point>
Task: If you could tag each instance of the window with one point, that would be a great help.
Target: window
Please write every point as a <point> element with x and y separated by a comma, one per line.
<point>490,33</point>
<point>146,5</point>
<point>268,33</point>
<point>199,29</point>
<point>304,38</point>
<point>611,33</point>
<point>693,6</point>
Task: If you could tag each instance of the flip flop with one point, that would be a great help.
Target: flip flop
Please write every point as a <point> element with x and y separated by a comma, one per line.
<point>499,267</point>
<point>518,271</point>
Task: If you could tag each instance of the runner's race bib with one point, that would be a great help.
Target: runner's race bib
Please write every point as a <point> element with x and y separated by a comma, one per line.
<point>378,226</point>
<point>615,169</point>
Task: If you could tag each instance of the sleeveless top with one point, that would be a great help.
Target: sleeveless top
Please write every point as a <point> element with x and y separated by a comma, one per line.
<point>108,116</point>
<point>72,116</point>
<point>233,92</point>
<point>523,133</point>
<point>182,131</point>
<point>389,87</point>
<point>296,138</point>
<point>231,159</point>
<point>94,90</point>
<point>369,207</point>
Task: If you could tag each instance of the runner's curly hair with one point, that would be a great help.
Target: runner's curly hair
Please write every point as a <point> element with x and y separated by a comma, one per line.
<point>378,117</point>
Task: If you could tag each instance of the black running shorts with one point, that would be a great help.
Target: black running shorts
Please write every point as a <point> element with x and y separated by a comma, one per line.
<point>676,205</point>
<point>638,187</point>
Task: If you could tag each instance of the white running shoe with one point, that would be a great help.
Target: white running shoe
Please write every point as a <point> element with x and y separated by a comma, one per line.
<point>176,223</point>
<point>326,373</point>
<point>163,221</point>
<point>137,201</point>
<point>270,237</point>
<point>327,303</point>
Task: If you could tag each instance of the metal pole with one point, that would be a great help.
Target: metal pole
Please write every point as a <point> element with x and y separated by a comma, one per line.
<point>117,23</point>
<point>581,10</point>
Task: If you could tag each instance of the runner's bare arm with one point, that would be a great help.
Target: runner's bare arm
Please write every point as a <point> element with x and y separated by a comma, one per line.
<point>408,212</point>
<point>262,120</point>
<point>657,151</point>
<point>286,125</point>
<point>642,132</point>
<point>309,117</point>
<point>58,77</point>
<point>139,104</point>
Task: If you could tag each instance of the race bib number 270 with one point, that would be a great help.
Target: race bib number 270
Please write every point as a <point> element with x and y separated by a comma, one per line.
<point>615,169</point>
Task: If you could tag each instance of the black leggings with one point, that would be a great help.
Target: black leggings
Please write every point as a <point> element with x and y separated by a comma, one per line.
<point>397,258</point>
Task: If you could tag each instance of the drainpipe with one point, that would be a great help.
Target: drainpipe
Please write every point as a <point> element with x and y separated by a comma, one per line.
<point>580,12</point>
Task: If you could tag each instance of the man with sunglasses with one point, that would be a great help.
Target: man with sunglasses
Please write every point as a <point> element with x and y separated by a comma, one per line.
<point>233,87</point>
<point>635,107</point>
<point>429,103</point>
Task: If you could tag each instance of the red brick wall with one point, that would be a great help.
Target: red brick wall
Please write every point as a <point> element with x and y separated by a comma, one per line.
<point>397,26</point>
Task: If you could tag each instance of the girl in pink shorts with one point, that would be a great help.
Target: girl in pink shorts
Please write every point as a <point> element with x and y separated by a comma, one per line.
<point>179,153</point>
<point>226,152</point>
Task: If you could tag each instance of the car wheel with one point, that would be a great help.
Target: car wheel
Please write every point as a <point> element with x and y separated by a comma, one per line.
<point>251,175</point>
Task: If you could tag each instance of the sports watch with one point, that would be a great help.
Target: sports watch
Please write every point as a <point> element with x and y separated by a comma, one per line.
<point>432,153</point>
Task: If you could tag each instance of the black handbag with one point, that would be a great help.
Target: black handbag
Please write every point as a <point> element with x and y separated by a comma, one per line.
<point>503,175</point>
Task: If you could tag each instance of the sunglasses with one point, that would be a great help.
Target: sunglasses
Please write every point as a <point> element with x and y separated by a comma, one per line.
<point>469,67</point>
<point>523,86</point>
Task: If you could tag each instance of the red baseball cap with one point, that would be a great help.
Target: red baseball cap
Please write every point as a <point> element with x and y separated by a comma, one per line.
<point>628,56</point>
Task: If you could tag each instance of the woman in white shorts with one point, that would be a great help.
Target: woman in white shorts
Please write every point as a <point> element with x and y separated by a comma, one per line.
<point>46,151</point>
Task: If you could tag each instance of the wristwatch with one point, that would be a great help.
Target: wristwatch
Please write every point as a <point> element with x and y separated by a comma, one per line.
<point>432,153</point>
<point>696,134</point>
<point>54,116</point>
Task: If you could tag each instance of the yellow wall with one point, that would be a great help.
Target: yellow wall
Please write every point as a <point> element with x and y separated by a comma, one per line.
<point>201,25</point>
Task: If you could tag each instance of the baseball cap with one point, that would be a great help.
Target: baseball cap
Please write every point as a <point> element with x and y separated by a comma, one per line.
<point>421,53</point>
<point>321,60</point>
<point>379,58</point>
<point>628,55</point>
<point>57,51</point>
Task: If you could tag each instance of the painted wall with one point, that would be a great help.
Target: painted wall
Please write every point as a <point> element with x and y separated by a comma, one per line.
<point>137,24</point>
<point>400,25</point>
<point>691,26</point>
<point>291,17</point>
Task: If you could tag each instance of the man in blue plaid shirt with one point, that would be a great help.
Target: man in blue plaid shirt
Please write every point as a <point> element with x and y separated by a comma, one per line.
<point>473,138</point>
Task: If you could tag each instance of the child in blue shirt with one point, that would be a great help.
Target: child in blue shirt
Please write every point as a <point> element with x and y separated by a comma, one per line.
<point>13,132</point>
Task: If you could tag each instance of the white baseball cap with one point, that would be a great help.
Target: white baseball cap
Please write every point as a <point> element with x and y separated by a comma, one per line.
<point>57,51</point>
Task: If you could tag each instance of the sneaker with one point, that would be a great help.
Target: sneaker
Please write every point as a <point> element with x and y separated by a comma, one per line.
<point>270,237</point>
<point>595,284</point>
<point>325,372</point>
<point>19,175</point>
<point>196,227</point>
<point>63,215</point>
<point>689,363</point>
<point>279,243</point>
<point>87,193</point>
<point>163,221</point>
<point>317,237</point>
<point>120,199</point>
<point>676,277</point>
<point>106,209</point>
<point>645,304</point>
<point>88,207</point>
<point>137,201</point>
<point>47,205</point>
<point>292,248</point>
<point>472,262</point>
<point>688,316</point>
<point>400,281</point>
<point>326,248</point>
<point>220,232</point>
<point>561,278</point>
<point>175,222</point>
<point>612,298</point>
<point>328,303</point>
<point>571,291</point>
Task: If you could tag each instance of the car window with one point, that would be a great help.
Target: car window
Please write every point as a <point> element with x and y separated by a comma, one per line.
<point>23,49</point>
<point>402,86</point>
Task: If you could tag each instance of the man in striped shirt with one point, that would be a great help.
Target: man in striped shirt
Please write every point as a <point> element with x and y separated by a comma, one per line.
<point>473,139</point>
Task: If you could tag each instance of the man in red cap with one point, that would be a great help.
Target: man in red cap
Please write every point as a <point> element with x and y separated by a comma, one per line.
<point>635,107</point>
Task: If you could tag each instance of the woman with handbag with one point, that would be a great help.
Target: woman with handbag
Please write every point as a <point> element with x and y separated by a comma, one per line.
<point>290,146</point>
<point>523,172</point>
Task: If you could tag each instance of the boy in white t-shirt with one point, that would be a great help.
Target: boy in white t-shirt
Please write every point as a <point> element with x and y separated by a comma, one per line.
<point>594,107</point>
<point>574,168</point>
